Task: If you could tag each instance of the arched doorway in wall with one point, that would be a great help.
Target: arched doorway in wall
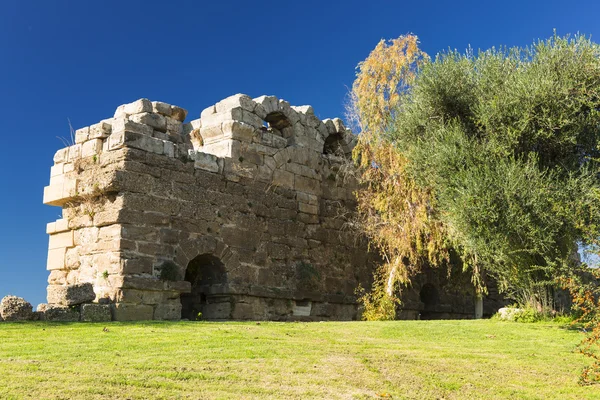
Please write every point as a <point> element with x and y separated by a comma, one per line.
<point>208,277</point>
<point>430,298</point>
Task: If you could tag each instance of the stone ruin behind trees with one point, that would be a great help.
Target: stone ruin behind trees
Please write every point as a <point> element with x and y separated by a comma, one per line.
<point>240,214</point>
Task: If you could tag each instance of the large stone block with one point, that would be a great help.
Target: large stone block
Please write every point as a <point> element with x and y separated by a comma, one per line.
<point>56,259</point>
<point>58,240</point>
<point>81,135</point>
<point>101,130</point>
<point>132,312</point>
<point>237,100</point>
<point>207,162</point>
<point>138,106</point>
<point>283,178</point>
<point>13,308</point>
<point>169,310</point>
<point>156,121</point>
<point>95,313</point>
<point>178,113</point>
<point>69,295</point>
<point>54,313</point>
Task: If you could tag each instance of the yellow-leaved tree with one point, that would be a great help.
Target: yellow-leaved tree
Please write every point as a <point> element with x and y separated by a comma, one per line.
<point>393,211</point>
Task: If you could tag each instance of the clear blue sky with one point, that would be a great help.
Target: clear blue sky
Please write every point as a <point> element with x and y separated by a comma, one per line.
<point>79,60</point>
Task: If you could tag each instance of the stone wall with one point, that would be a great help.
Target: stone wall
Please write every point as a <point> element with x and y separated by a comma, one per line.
<point>241,214</point>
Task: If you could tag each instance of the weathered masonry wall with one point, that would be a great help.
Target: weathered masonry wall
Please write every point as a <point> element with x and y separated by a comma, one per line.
<point>240,214</point>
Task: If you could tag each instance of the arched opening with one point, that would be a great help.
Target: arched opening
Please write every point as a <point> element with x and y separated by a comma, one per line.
<point>208,277</point>
<point>278,120</point>
<point>334,144</point>
<point>430,298</point>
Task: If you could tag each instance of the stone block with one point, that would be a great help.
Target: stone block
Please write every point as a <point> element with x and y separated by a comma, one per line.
<point>58,180</point>
<point>238,130</point>
<point>307,185</point>
<point>302,308</point>
<point>81,135</point>
<point>308,208</point>
<point>132,312</point>
<point>56,259</point>
<point>100,130</point>
<point>207,162</point>
<point>269,103</point>
<point>252,119</point>
<point>339,125</point>
<point>307,198</point>
<point>237,100</point>
<point>174,127</point>
<point>235,114</point>
<point>61,155</point>
<point>169,149</point>
<point>208,111</point>
<point>178,113</point>
<point>210,133</point>
<point>141,283</point>
<point>91,148</point>
<point>69,189</point>
<point>283,178</point>
<point>136,107</point>
<point>304,110</point>
<point>54,313</point>
<point>161,108</point>
<point>13,308</point>
<point>156,121</point>
<point>243,311</point>
<point>56,170</point>
<point>289,112</point>
<point>250,156</point>
<point>124,125</point>
<point>136,296</point>
<point>74,152</point>
<point>143,142</point>
<point>222,148</point>
<point>238,237</point>
<point>169,310</point>
<point>178,286</point>
<point>260,111</point>
<point>59,240</point>
<point>68,295</point>
<point>95,313</point>
<point>138,265</point>
<point>50,227</point>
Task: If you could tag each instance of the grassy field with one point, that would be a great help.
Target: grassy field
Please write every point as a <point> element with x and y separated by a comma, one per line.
<point>345,360</point>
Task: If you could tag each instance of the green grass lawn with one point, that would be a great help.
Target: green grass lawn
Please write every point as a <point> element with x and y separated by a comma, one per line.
<point>329,360</point>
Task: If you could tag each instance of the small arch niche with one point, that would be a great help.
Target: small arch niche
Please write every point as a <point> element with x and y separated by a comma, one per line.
<point>334,144</point>
<point>278,124</point>
<point>277,120</point>
<point>208,277</point>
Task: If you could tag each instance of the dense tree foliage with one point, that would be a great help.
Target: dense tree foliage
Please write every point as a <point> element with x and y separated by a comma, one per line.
<point>492,157</point>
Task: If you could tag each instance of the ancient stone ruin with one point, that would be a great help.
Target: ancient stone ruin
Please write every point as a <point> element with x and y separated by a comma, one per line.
<point>240,214</point>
